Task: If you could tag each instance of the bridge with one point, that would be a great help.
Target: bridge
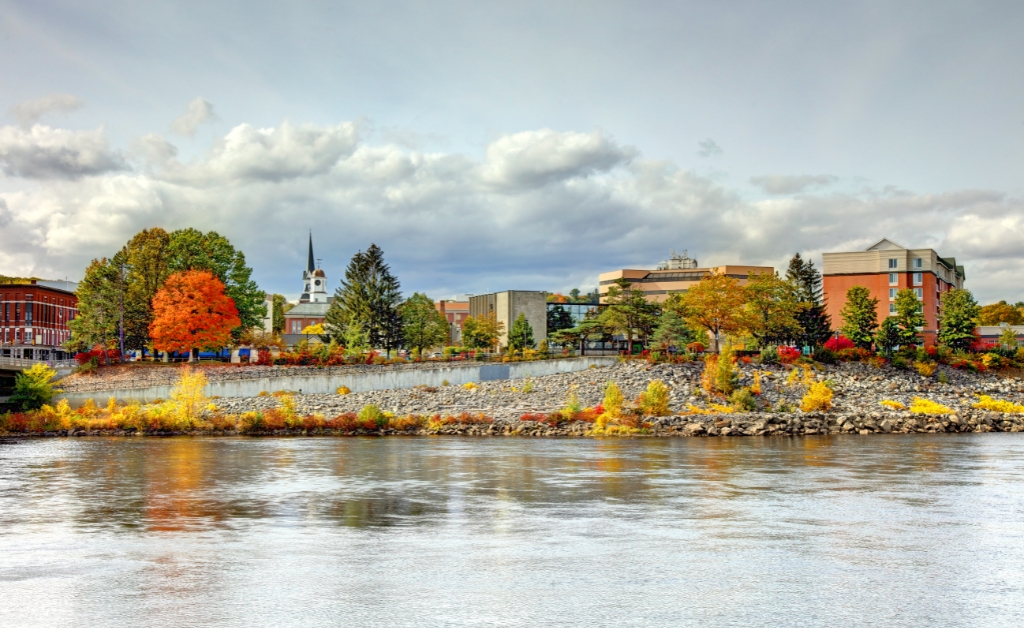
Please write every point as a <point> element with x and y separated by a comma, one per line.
<point>20,364</point>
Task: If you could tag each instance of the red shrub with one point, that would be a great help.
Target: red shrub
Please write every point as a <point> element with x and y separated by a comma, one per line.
<point>695,347</point>
<point>347,422</point>
<point>838,344</point>
<point>273,419</point>
<point>788,355</point>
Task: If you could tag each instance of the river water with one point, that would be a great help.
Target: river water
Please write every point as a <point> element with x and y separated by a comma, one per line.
<point>909,530</point>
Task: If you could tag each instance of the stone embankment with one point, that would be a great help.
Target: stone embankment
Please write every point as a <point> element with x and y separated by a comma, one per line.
<point>859,389</point>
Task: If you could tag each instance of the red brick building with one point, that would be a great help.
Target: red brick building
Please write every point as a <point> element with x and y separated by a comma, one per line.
<point>456,312</point>
<point>34,318</point>
<point>886,268</point>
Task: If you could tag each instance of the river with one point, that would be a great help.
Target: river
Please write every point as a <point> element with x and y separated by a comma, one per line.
<point>910,530</point>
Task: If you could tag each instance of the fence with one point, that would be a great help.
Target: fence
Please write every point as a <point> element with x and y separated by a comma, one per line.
<point>24,363</point>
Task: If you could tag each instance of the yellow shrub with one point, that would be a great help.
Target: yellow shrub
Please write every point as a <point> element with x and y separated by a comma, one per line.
<point>895,405</point>
<point>343,390</point>
<point>794,375</point>
<point>713,408</point>
<point>817,399</point>
<point>808,376</point>
<point>263,393</point>
<point>470,386</point>
<point>188,397</point>
<point>655,400</point>
<point>90,409</point>
<point>613,401</point>
<point>927,369</point>
<point>755,388</point>
<point>924,406</point>
<point>988,403</point>
<point>572,404</point>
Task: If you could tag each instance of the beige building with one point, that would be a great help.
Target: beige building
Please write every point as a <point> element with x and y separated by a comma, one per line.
<point>508,305</point>
<point>676,274</point>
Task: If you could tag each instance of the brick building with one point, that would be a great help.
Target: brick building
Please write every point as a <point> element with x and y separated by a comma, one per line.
<point>884,269</point>
<point>34,319</point>
<point>456,312</point>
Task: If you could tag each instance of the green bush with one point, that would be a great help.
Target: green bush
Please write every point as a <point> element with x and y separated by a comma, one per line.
<point>769,355</point>
<point>33,387</point>
<point>742,400</point>
<point>825,356</point>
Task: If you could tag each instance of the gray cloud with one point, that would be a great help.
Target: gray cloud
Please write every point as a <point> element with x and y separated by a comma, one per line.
<point>787,184</point>
<point>5,214</point>
<point>529,214</point>
<point>29,112</point>
<point>199,111</point>
<point>708,148</point>
<point>46,153</point>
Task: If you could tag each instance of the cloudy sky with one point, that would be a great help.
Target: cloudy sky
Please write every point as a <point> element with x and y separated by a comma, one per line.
<point>517,145</point>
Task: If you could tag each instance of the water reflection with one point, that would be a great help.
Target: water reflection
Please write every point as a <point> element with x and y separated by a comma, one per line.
<point>193,531</point>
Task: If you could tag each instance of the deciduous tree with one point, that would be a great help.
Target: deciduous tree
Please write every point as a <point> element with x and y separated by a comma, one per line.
<point>425,326</point>
<point>482,331</point>
<point>770,304</point>
<point>860,316</point>
<point>192,311</point>
<point>959,318</point>
<point>1001,312</point>
<point>520,336</point>
<point>909,316</point>
<point>713,304</point>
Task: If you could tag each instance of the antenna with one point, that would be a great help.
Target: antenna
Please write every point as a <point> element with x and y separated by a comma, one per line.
<point>318,260</point>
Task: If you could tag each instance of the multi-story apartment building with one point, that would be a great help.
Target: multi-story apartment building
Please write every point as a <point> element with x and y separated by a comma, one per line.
<point>675,275</point>
<point>886,268</point>
<point>34,318</point>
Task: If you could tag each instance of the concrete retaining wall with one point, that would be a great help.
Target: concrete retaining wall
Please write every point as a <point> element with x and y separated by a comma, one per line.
<point>385,379</point>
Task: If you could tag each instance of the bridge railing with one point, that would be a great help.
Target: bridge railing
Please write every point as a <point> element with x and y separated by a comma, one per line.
<point>24,363</point>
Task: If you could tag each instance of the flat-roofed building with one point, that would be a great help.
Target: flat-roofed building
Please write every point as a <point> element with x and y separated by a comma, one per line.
<point>456,311</point>
<point>675,275</point>
<point>34,319</point>
<point>884,269</point>
<point>507,306</point>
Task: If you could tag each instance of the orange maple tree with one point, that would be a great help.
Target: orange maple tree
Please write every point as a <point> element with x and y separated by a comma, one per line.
<point>191,311</point>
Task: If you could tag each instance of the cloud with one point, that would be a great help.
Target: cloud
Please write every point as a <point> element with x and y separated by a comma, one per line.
<point>5,214</point>
<point>46,153</point>
<point>535,158</point>
<point>275,154</point>
<point>199,111</point>
<point>29,112</point>
<point>708,148</point>
<point>544,210</point>
<point>786,184</point>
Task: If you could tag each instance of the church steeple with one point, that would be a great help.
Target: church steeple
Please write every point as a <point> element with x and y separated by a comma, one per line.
<point>307,275</point>
<point>310,267</point>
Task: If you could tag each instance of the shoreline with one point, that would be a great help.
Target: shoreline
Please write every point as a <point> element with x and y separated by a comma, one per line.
<point>754,424</point>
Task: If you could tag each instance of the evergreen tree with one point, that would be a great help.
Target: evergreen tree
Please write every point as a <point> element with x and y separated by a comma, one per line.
<point>559,318</point>
<point>909,316</point>
<point>959,319</point>
<point>805,278</point>
<point>672,331</point>
<point>629,312</point>
<point>889,336</point>
<point>521,335</point>
<point>860,316</point>
<point>814,323</point>
<point>424,326</point>
<point>369,295</point>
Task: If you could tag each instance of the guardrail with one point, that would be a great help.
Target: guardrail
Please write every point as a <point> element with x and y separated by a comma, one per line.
<point>24,363</point>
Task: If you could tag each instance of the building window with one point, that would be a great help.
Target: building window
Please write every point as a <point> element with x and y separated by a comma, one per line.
<point>918,279</point>
<point>893,263</point>
<point>919,263</point>
<point>892,293</point>
<point>894,279</point>
<point>917,292</point>
<point>892,308</point>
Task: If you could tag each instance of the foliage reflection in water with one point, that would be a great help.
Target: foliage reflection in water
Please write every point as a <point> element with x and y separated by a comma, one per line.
<point>907,530</point>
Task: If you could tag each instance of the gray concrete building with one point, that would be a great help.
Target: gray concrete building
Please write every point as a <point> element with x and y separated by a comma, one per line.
<point>508,305</point>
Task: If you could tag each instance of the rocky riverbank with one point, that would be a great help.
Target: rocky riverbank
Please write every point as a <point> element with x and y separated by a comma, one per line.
<point>500,407</point>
